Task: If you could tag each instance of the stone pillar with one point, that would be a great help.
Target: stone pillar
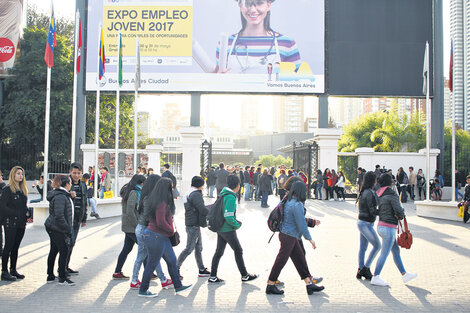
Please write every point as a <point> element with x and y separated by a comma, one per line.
<point>191,139</point>
<point>154,152</point>
<point>365,158</point>
<point>88,156</point>
<point>327,140</point>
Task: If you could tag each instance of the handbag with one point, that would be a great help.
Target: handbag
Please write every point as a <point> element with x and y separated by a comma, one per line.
<point>405,238</point>
<point>108,194</point>
<point>175,238</point>
<point>461,207</point>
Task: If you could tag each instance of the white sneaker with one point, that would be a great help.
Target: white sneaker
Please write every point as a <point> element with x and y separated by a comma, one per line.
<point>408,276</point>
<point>332,199</point>
<point>376,280</point>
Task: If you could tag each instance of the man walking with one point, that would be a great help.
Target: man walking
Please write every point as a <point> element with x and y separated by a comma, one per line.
<point>228,234</point>
<point>79,197</point>
<point>168,174</point>
<point>222,175</point>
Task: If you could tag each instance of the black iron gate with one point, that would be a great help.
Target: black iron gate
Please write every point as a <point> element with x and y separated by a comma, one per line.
<point>305,157</point>
<point>206,157</point>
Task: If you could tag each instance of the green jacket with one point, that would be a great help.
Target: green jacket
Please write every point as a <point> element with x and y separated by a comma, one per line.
<point>230,209</point>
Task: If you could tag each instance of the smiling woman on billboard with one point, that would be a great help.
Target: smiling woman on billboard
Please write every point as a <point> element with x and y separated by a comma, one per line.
<point>256,48</point>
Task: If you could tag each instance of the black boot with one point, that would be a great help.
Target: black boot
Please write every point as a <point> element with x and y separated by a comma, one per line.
<point>314,288</point>
<point>365,272</point>
<point>16,274</point>
<point>358,274</point>
<point>7,277</point>
<point>273,290</point>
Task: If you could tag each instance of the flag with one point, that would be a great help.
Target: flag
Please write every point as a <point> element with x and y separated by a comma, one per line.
<point>451,67</point>
<point>426,69</point>
<point>51,41</point>
<point>79,47</point>
<point>120,61</point>
<point>137,67</point>
<point>102,56</point>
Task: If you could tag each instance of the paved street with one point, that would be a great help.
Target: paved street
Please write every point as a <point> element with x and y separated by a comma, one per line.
<point>440,255</point>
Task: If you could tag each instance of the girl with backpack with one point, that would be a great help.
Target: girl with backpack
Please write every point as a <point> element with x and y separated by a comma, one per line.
<point>367,214</point>
<point>293,227</point>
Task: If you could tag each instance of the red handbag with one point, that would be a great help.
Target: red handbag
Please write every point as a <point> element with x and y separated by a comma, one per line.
<point>405,238</point>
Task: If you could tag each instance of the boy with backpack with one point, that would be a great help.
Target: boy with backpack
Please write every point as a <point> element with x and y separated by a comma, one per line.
<point>227,233</point>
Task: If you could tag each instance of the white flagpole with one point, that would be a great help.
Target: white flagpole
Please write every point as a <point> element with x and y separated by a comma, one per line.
<point>428,126</point>
<point>137,84</point>
<point>74,103</point>
<point>116,144</point>
<point>97,122</point>
<point>453,135</point>
<point>46,134</point>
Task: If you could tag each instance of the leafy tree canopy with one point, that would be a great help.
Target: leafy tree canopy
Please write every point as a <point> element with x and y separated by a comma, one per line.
<point>271,160</point>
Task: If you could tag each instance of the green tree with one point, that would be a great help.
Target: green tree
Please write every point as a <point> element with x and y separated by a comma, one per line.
<point>271,160</point>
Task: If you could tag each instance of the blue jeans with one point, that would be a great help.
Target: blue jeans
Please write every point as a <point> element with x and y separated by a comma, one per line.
<point>158,246</point>
<point>257,192</point>
<point>102,191</point>
<point>264,198</point>
<point>211,191</point>
<point>457,193</point>
<point>318,188</point>
<point>142,255</point>
<point>389,243</point>
<point>247,191</point>
<point>367,235</point>
<point>92,203</point>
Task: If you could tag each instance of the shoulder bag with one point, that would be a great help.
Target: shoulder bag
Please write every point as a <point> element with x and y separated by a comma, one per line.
<point>405,238</point>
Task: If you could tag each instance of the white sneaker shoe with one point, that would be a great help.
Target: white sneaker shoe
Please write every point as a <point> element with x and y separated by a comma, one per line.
<point>408,276</point>
<point>332,199</point>
<point>376,280</point>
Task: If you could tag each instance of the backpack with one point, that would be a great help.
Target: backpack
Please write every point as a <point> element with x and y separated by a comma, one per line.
<point>276,217</point>
<point>215,217</point>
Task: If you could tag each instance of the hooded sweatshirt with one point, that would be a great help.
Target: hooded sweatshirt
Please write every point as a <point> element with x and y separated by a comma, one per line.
<point>230,210</point>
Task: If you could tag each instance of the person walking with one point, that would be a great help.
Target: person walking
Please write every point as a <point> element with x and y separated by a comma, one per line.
<point>421,183</point>
<point>281,180</point>
<point>14,210</point>
<point>319,185</point>
<point>168,174</point>
<point>157,236</point>
<point>359,179</point>
<point>265,188</point>
<point>211,180</point>
<point>143,221</point>
<point>195,213</point>
<point>228,233</point>
<point>411,183</point>
<point>402,181</point>
<point>390,212</point>
<point>59,227</point>
<point>293,227</point>
<point>131,194</point>
<point>368,212</point>
<point>339,187</point>
<point>222,175</point>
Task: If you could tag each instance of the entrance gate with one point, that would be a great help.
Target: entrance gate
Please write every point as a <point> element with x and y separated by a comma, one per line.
<point>206,157</point>
<point>305,157</point>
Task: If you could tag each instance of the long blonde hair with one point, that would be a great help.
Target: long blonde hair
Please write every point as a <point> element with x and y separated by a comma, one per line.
<point>14,186</point>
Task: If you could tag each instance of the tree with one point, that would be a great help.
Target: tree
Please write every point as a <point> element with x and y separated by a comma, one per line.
<point>270,160</point>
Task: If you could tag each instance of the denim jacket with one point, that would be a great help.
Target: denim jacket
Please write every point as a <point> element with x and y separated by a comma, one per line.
<point>294,223</point>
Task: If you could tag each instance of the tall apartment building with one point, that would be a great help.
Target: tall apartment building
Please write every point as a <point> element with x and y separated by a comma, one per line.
<point>288,114</point>
<point>460,32</point>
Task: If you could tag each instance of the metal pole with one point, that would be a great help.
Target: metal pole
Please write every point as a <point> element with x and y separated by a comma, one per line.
<point>428,128</point>
<point>453,136</point>
<point>116,144</point>
<point>74,102</point>
<point>97,124</point>
<point>46,134</point>
<point>135,131</point>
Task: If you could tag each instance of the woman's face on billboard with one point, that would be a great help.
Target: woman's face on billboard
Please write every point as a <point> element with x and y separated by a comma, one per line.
<point>254,11</point>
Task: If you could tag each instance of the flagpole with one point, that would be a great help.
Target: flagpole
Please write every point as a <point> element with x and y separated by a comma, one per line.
<point>74,103</point>
<point>97,121</point>
<point>46,134</point>
<point>453,133</point>
<point>428,126</point>
<point>116,144</point>
<point>137,84</point>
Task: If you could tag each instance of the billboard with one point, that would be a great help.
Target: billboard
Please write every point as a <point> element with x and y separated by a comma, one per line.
<point>267,46</point>
<point>11,13</point>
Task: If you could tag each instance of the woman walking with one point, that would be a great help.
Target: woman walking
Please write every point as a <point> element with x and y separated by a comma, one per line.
<point>339,188</point>
<point>265,188</point>
<point>15,213</point>
<point>390,211</point>
<point>156,236</point>
<point>143,222</point>
<point>59,228</point>
<point>421,182</point>
<point>367,213</point>
<point>319,185</point>
<point>293,228</point>
<point>130,199</point>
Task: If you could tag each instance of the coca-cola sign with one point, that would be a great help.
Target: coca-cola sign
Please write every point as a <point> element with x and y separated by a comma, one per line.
<point>7,49</point>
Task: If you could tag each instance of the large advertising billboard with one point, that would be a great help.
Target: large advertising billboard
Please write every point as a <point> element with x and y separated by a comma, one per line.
<point>267,46</point>
<point>11,13</point>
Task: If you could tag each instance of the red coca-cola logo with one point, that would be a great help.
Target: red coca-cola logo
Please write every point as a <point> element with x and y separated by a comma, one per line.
<point>7,49</point>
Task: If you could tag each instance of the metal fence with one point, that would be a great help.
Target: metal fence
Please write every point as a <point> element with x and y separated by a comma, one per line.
<point>462,158</point>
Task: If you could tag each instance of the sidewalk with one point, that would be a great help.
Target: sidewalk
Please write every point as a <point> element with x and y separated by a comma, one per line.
<point>440,255</point>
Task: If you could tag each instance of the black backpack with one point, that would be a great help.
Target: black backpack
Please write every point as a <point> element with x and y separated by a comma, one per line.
<point>215,217</point>
<point>276,217</point>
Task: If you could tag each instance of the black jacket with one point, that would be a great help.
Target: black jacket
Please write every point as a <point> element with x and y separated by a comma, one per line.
<point>222,175</point>
<point>390,209</point>
<point>170,175</point>
<point>368,206</point>
<point>80,215</point>
<point>211,178</point>
<point>60,212</point>
<point>195,210</point>
<point>256,178</point>
<point>265,184</point>
<point>466,196</point>
<point>13,208</point>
